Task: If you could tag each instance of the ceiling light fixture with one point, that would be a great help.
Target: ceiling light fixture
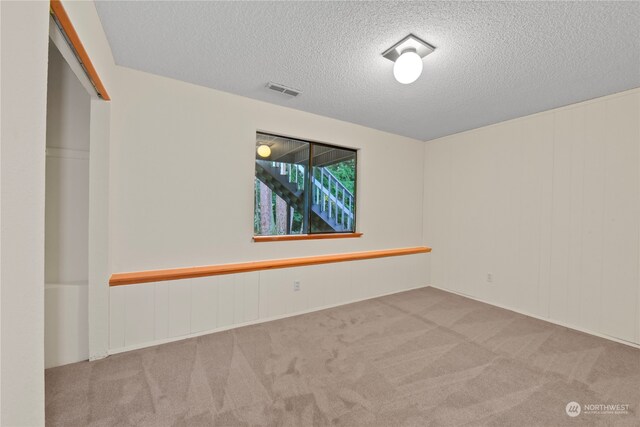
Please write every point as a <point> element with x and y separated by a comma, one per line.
<point>408,67</point>
<point>264,150</point>
<point>407,56</point>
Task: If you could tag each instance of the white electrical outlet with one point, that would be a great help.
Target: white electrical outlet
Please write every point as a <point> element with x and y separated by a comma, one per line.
<point>296,285</point>
<point>489,277</point>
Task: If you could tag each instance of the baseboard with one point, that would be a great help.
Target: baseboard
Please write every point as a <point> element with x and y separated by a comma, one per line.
<point>252,322</point>
<point>545,319</point>
<point>98,357</point>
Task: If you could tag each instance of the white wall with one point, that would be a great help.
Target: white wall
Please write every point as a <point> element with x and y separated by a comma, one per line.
<point>66,215</point>
<point>550,205</point>
<point>182,171</point>
<point>24,43</point>
<point>67,183</point>
<point>182,167</point>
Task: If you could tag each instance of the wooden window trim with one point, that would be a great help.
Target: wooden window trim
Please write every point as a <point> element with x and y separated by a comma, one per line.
<point>320,236</point>
<point>120,279</point>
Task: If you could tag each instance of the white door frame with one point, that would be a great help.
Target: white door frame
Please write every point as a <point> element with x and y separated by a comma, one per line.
<point>99,131</point>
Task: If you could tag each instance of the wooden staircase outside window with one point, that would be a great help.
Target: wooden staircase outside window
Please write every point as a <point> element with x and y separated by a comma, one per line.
<point>332,204</point>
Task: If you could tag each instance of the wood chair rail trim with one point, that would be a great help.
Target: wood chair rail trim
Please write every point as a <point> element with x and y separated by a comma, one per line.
<point>57,9</point>
<point>132,278</point>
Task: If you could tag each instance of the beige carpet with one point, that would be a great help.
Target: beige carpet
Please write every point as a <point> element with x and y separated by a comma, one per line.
<point>419,358</point>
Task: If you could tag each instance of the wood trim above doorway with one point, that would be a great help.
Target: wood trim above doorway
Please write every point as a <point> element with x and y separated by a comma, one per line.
<point>65,25</point>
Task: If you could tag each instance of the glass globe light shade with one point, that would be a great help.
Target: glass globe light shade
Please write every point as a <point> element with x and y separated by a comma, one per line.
<point>407,67</point>
<point>264,151</point>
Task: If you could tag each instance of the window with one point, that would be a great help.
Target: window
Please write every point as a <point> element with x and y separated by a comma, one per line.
<point>303,187</point>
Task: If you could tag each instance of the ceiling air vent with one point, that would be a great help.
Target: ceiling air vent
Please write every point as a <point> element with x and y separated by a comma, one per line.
<point>283,89</point>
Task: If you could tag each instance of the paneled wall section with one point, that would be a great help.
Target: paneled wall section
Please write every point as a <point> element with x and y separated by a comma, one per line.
<point>182,161</point>
<point>150,313</point>
<point>549,206</point>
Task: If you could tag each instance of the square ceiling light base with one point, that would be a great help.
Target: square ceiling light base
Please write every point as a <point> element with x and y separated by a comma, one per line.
<point>421,47</point>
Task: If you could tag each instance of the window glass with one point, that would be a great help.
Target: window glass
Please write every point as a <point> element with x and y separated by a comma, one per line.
<point>280,186</point>
<point>302,187</point>
<point>333,187</point>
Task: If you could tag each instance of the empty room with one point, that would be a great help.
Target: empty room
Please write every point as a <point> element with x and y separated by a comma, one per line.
<point>312,213</point>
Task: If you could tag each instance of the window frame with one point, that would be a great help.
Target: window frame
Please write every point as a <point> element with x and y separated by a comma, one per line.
<point>308,194</point>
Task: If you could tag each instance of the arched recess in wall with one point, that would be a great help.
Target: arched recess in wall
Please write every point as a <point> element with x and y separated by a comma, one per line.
<point>76,205</point>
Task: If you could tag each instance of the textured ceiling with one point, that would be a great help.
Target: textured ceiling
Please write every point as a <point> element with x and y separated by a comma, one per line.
<point>493,61</point>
